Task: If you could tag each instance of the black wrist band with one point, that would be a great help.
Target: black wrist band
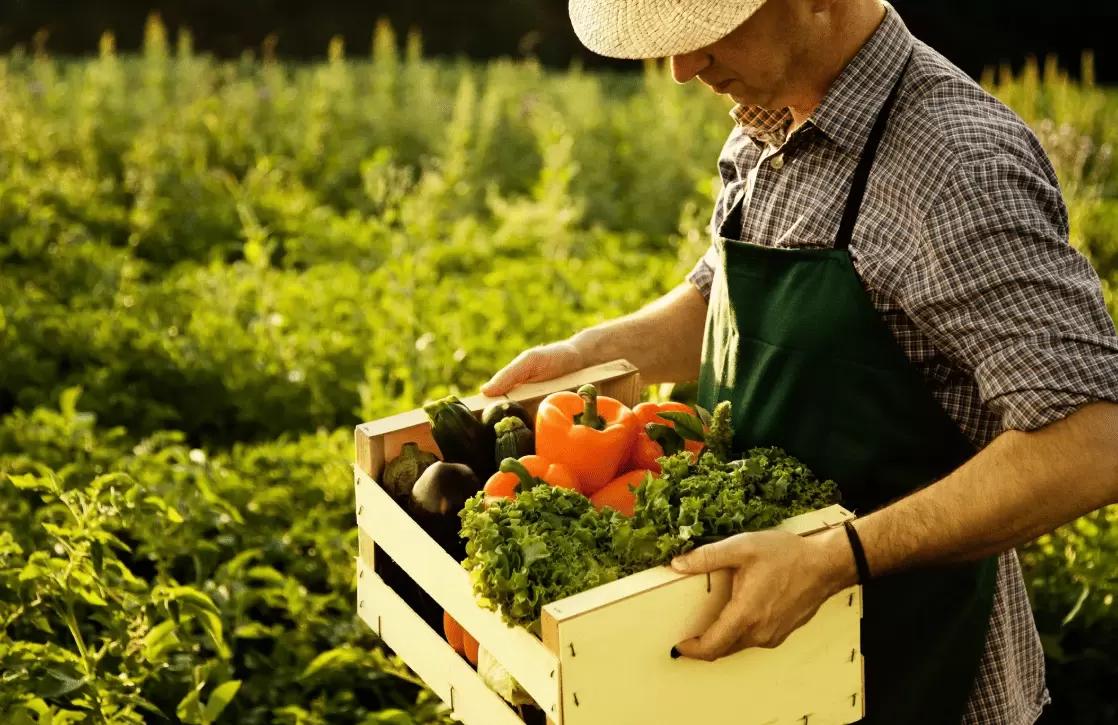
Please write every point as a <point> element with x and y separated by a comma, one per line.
<point>859,552</point>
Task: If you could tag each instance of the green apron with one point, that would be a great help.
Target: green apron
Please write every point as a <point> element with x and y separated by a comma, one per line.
<point>794,342</point>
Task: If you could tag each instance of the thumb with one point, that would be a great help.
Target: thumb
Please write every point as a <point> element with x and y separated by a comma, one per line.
<point>718,555</point>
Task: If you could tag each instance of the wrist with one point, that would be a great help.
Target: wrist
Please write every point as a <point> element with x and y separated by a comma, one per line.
<point>836,558</point>
<point>583,343</point>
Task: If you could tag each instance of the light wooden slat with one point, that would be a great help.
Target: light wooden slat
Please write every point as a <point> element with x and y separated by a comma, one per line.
<point>813,521</point>
<point>443,669</point>
<point>524,656</point>
<point>603,376</point>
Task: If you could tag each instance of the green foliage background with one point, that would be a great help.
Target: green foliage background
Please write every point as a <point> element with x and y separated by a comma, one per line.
<point>209,272</point>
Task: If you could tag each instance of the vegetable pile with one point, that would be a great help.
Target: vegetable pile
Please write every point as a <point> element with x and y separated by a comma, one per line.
<point>551,542</point>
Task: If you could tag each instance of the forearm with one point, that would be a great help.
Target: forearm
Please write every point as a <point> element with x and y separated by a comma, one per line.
<point>663,339</point>
<point>1020,486</point>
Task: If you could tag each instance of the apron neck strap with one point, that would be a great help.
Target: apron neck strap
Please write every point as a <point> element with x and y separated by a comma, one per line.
<point>862,172</point>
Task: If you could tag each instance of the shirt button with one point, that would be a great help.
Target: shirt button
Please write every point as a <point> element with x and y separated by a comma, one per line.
<point>777,162</point>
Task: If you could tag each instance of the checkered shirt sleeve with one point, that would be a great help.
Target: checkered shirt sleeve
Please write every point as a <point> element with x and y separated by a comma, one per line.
<point>995,285</point>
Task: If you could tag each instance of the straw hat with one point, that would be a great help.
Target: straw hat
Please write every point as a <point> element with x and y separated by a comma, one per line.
<point>655,28</point>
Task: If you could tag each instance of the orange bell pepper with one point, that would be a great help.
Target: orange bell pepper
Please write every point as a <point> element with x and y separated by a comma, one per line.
<point>617,495</point>
<point>469,647</point>
<point>459,639</point>
<point>453,632</point>
<point>589,434</point>
<point>527,472</point>
<point>645,449</point>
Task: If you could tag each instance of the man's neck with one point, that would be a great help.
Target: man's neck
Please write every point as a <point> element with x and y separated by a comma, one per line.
<point>851,33</point>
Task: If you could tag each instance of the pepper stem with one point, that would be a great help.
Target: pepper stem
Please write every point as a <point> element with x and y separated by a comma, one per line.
<point>527,480</point>
<point>589,416</point>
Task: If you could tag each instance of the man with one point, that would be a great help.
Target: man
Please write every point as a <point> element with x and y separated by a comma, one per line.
<point>890,296</point>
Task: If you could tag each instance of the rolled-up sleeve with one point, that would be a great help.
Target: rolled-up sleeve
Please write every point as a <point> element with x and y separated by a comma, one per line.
<point>995,285</point>
<point>702,274</point>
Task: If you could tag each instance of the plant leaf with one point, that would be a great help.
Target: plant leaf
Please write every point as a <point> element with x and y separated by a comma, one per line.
<point>220,698</point>
<point>687,425</point>
<point>670,440</point>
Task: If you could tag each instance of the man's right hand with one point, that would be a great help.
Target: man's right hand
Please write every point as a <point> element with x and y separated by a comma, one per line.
<point>535,364</point>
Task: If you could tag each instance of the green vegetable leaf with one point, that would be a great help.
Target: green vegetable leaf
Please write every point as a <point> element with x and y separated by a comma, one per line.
<point>686,425</point>
<point>220,698</point>
<point>668,438</point>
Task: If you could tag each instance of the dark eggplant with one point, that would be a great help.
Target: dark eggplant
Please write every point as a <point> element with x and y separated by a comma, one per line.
<point>437,497</point>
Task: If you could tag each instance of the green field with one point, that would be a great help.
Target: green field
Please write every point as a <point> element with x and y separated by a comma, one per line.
<point>209,272</point>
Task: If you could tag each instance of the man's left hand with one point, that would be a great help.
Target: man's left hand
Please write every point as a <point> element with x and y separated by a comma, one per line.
<point>779,582</point>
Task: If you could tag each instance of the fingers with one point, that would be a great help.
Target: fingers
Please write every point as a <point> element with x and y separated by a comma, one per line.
<point>537,363</point>
<point>719,555</point>
<point>741,624</point>
<point>509,376</point>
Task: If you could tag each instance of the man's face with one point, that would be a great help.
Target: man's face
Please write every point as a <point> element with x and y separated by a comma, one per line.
<point>754,63</point>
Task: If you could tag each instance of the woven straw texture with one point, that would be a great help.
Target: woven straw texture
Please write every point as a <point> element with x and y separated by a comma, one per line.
<point>655,28</point>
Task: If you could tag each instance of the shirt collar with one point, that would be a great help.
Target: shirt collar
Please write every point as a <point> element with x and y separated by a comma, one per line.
<point>850,106</point>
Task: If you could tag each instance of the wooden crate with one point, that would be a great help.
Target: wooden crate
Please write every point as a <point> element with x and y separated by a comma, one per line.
<point>604,654</point>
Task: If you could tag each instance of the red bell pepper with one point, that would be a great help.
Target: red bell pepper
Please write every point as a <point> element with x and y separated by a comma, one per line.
<point>645,449</point>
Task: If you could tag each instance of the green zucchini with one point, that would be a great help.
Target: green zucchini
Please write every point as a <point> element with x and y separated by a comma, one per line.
<point>496,412</point>
<point>513,439</point>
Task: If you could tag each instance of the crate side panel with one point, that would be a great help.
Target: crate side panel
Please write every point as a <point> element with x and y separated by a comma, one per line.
<point>443,669</point>
<point>816,672</point>
<point>524,656</point>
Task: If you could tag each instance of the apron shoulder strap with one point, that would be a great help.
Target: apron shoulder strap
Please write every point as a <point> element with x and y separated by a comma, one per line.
<point>862,171</point>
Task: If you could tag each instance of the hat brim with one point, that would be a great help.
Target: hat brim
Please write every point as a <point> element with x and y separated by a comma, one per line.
<point>655,28</point>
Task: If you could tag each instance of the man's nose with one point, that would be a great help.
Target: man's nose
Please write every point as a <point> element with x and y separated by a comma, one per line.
<point>687,66</point>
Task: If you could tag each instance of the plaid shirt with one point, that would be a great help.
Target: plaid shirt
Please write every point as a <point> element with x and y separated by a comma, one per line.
<point>962,247</point>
